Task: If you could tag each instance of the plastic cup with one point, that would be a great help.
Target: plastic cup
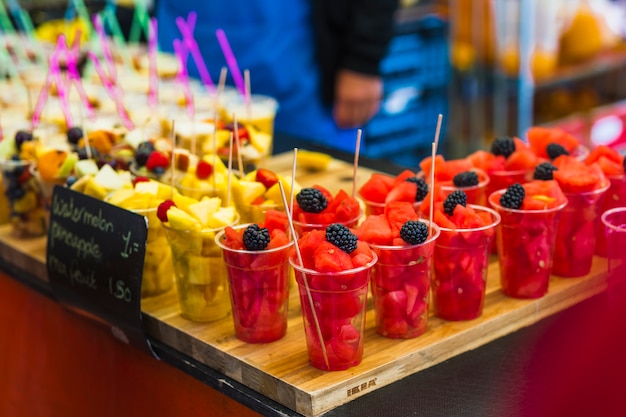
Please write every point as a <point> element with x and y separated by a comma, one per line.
<point>201,276</point>
<point>199,193</point>
<point>525,240</point>
<point>401,287</point>
<point>259,290</point>
<point>255,213</point>
<point>614,221</point>
<point>260,112</point>
<point>21,188</point>
<point>460,263</point>
<point>158,268</point>
<point>333,312</point>
<point>576,236</point>
<point>615,197</point>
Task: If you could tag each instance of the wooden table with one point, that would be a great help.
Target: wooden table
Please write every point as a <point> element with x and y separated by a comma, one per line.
<point>281,371</point>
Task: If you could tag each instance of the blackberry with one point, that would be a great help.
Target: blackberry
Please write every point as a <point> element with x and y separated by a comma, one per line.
<point>543,171</point>
<point>142,153</point>
<point>22,136</point>
<point>414,232</point>
<point>74,135</point>
<point>340,236</point>
<point>504,146</point>
<point>554,149</point>
<point>465,179</point>
<point>454,198</point>
<point>255,237</point>
<point>513,196</point>
<point>311,200</point>
<point>422,187</point>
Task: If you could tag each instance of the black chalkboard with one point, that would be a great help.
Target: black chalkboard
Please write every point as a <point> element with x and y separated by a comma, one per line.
<point>94,257</point>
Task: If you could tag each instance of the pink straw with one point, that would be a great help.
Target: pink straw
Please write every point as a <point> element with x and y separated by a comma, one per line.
<point>55,71</point>
<point>153,92</point>
<point>231,61</point>
<point>112,90</point>
<point>106,50</point>
<point>183,76</point>
<point>187,28</point>
<point>74,76</point>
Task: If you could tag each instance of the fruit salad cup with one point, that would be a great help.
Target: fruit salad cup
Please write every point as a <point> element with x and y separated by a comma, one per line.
<point>332,269</point>
<point>333,309</point>
<point>584,187</point>
<point>201,276</point>
<point>401,287</point>
<point>21,188</point>
<point>158,268</point>
<point>525,240</point>
<point>381,189</point>
<point>615,197</point>
<point>476,194</point>
<point>259,287</point>
<point>460,263</point>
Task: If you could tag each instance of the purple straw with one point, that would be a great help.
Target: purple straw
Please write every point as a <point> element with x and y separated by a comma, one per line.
<point>183,76</point>
<point>186,29</point>
<point>231,61</point>
<point>153,92</point>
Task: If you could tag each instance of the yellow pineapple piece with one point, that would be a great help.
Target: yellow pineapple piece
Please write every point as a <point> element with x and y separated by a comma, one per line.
<point>181,220</point>
<point>315,161</point>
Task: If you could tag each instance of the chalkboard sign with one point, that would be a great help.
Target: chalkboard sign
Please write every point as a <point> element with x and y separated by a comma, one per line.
<point>94,257</point>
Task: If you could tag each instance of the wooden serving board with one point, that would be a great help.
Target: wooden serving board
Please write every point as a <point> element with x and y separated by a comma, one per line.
<point>281,371</point>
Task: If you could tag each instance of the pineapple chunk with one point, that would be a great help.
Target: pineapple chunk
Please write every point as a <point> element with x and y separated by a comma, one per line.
<point>205,209</point>
<point>224,216</point>
<point>245,192</point>
<point>181,220</point>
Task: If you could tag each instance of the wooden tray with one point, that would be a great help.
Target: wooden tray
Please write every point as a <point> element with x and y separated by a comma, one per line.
<point>281,371</point>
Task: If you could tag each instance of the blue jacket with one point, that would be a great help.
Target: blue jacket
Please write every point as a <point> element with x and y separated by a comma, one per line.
<point>292,48</point>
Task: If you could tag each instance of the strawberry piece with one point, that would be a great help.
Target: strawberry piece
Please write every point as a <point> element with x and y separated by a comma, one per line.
<point>140,179</point>
<point>157,160</point>
<point>266,177</point>
<point>163,208</point>
<point>203,170</point>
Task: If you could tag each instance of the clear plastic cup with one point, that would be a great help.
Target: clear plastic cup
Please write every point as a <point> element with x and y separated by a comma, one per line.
<point>401,287</point>
<point>615,197</point>
<point>301,227</point>
<point>333,311</point>
<point>460,264</point>
<point>259,290</point>
<point>614,221</point>
<point>201,276</point>
<point>525,240</point>
<point>576,235</point>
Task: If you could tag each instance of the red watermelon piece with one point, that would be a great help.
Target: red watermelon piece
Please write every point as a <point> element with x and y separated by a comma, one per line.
<point>376,187</point>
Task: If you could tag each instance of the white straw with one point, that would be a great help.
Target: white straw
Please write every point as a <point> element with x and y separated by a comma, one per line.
<point>356,161</point>
<point>248,94</point>
<point>293,177</point>
<point>216,102</point>
<point>230,169</point>
<point>172,168</point>
<point>432,171</point>
<point>238,144</point>
<point>318,329</point>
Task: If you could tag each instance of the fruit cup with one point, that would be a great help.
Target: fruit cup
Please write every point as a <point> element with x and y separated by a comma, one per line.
<point>525,241</point>
<point>401,287</point>
<point>333,309</point>
<point>201,276</point>
<point>576,236</point>
<point>27,214</point>
<point>158,268</point>
<point>259,290</point>
<point>614,222</point>
<point>615,197</point>
<point>460,261</point>
<point>476,194</point>
<point>315,209</point>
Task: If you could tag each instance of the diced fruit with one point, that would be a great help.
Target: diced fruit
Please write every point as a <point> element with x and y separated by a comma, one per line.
<point>203,169</point>
<point>266,177</point>
<point>163,208</point>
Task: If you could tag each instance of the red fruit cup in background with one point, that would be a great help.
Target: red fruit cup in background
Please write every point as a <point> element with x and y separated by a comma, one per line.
<point>460,261</point>
<point>334,328</point>
<point>401,287</point>
<point>614,222</point>
<point>301,227</point>
<point>576,236</point>
<point>476,194</point>
<point>525,241</point>
<point>615,197</point>
<point>373,208</point>
<point>259,290</point>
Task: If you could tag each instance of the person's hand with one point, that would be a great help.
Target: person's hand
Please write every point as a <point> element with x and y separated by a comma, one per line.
<point>357,98</point>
